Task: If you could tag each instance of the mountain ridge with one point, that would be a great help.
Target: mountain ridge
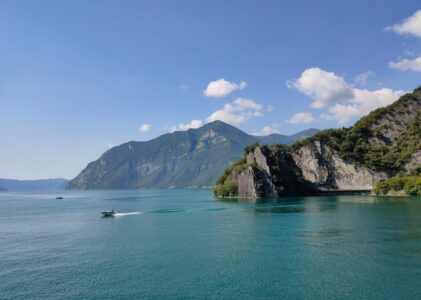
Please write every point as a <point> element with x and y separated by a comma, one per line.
<point>191,158</point>
<point>7,184</point>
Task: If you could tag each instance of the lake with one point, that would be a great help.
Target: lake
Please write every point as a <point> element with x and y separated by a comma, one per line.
<point>184,244</point>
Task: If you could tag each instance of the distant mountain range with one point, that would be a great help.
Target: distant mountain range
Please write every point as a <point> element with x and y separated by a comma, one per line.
<point>192,158</point>
<point>32,185</point>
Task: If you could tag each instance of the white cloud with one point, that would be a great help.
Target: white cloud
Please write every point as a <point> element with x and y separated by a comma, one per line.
<point>145,128</point>
<point>370,100</point>
<point>327,89</point>
<point>110,145</point>
<point>241,104</point>
<point>341,113</point>
<point>323,87</point>
<point>301,118</point>
<point>237,112</point>
<point>363,77</point>
<point>192,124</point>
<point>267,130</point>
<point>364,102</point>
<point>407,64</point>
<point>221,88</point>
<point>183,87</point>
<point>411,25</point>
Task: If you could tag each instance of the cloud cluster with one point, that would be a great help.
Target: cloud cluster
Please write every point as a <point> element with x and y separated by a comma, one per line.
<point>363,77</point>
<point>192,124</point>
<point>331,90</point>
<point>145,128</point>
<point>323,87</point>
<point>267,130</point>
<point>363,103</point>
<point>407,64</point>
<point>410,26</point>
<point>301,118</point>
<point>221,88</point>
<point>237,112</point>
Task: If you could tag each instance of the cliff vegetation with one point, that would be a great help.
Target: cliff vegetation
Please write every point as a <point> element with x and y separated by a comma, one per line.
<point>381,145</point>
<point>367,142</point>
<point>409,185</point>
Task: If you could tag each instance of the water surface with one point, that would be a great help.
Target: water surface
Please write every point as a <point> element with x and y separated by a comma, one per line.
<point>183,244</point>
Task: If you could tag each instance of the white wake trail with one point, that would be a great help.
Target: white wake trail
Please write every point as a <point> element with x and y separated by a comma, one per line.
<point>127,214</point>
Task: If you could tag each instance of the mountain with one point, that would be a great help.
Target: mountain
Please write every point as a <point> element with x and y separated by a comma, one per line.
<point>32,185</point>
<point>385,143</point>
<point>287,139</point>
<point>192,158</point>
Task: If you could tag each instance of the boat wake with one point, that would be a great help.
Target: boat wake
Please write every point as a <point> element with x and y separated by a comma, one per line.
<point>119,214</point>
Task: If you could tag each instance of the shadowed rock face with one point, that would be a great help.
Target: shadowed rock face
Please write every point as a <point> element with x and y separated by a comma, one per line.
<point>262,173</point>
<point>329,161</point>
<point>271,173</point>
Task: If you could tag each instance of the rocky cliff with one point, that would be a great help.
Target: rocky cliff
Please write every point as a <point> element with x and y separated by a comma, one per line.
<point>384,143</point>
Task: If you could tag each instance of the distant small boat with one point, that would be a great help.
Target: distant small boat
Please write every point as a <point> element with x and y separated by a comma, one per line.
<point>59,197</point>
<point>109,213</point>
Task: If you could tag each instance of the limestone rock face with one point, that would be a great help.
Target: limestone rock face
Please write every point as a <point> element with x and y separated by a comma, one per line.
<point>318,165</point>
<point>323,167</point>
<point>258,182</point>
<point>394,122</point>
<point>310,160</point>
<point>347,176</point>
<point>257,157</point>
<point>246,184</point>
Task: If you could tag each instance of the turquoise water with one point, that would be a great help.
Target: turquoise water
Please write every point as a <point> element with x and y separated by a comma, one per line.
<point>182,244</point>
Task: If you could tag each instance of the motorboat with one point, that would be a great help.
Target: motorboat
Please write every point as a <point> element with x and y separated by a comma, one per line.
<point>109,213</point>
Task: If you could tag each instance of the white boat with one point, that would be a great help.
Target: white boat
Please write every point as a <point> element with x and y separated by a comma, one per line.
<point>109,213</point>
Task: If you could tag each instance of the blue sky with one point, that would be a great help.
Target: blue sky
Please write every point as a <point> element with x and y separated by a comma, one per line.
<point>79,76</point>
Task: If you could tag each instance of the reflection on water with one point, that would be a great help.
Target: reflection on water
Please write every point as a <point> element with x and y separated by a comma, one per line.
<point>295,209</point>
<point>327,232</point>
<point>310,204</point>
<point>284,205</point>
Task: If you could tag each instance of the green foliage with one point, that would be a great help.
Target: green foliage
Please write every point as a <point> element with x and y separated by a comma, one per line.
<point>410,184</point>
<point>225,185</point>
<point>355,144</point>
<point>331,137</point>
<point>250,148</point>
<point>228,188</point>
<point>415,172</point>
<point>238,166</point>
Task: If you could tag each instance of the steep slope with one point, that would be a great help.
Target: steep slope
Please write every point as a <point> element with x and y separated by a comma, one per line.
<point>192,158</point>
<point>380,145</point>
<point>33,185</point>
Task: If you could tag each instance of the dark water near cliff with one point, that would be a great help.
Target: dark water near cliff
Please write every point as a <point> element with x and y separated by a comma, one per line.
<point>183,244</point>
